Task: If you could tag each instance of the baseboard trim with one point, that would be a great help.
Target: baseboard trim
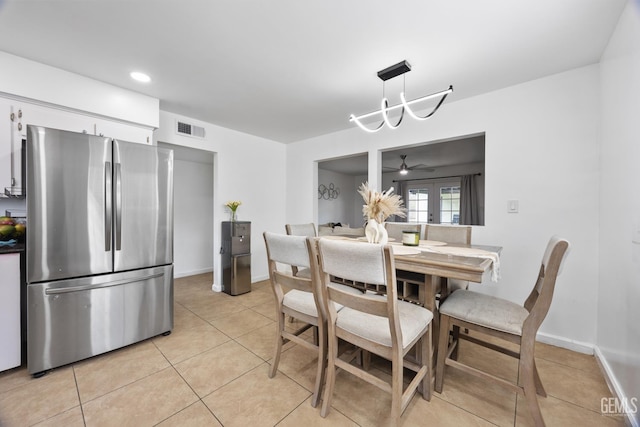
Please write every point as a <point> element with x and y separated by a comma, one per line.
<point>580,347</point>
<point>614,385</point>
<point>259,278</point>
<point>177,275</point>
<point>218,288</point>
<point>586,348</point>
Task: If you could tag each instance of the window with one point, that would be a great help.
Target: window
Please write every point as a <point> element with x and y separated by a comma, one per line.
<point>450,205</point>
<point>443,207</point>
<point>418,208</point>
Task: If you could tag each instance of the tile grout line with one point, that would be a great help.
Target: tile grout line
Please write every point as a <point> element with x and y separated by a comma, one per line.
<point>75,380</point>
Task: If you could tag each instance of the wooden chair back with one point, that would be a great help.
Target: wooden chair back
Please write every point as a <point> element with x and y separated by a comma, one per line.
<point>395,229</point>
<point>363,262</point>
<point>307,230</point>
<point>293,251</point>
<point>456,234</point>
<point>539,300</point>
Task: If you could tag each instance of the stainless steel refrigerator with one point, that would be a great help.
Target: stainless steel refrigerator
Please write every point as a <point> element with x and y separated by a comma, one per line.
<point>99,245</point>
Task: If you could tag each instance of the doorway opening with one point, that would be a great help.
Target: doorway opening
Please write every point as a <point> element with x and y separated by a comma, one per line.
<point>192,210</point>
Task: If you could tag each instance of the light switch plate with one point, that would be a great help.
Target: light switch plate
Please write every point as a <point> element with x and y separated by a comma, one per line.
<point>512,206</point>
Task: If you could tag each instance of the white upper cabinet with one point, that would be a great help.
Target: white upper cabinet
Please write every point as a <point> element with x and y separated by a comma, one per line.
<point>5,147</point>
<point>10,149</point>
<point>62,119</point>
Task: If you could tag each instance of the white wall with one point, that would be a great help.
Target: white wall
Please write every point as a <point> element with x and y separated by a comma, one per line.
<point>542,149</point>
<point>358,202</point>
<point>618,324</point>
<point>245,168</point>
<point>339,209</point>
<point>193,217</point>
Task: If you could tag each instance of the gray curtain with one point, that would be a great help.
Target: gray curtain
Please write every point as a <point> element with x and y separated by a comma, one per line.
<point>399,189</point>
<point>469,209</point>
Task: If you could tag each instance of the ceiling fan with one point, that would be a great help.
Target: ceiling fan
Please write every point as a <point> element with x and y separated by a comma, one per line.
<point>404,169</point>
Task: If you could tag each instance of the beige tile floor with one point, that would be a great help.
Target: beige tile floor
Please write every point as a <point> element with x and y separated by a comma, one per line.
<point>212,371</point>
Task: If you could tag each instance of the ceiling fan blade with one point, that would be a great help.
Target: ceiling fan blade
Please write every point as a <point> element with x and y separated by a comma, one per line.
<point>421,166</point>
<point>418,166</point>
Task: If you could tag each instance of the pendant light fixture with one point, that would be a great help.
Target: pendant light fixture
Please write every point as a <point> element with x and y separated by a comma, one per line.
<point>388,73</point>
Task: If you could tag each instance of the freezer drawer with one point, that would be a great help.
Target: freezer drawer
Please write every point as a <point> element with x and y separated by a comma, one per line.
<point>71,320</point>
<point>236,277</point>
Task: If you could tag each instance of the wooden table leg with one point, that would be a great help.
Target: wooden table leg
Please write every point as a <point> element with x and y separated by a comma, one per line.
<point>427,295</point>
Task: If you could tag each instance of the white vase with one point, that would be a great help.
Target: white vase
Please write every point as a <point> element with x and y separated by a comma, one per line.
<point>383,236</point>
<point>372,231</point>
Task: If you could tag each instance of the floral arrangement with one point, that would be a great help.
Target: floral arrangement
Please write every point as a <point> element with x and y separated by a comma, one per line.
<point>380,206</point>
<point>233,206</point>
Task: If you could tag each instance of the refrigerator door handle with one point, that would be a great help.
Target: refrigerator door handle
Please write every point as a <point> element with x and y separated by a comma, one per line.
<point>118,206</point>
<point>107,206</point>
<point>107,284</point>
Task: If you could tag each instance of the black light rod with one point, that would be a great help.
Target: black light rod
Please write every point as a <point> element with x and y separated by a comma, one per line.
<point>435,177</point>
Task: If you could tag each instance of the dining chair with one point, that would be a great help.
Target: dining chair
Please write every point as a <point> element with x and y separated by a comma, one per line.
<point>380,324</point>
<point>297,297</point>
<point>503,319</point>
<point>395,229</point>
<point>452,234</point>
<point>306,230</point>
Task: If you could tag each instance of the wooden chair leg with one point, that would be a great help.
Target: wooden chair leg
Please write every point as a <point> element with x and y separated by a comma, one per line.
<point>331,373</point>
<point>443,349</point>
<point>455,333</point>
<point>527,378</point>
<point>397,372</point>
<point>532,402</point>
<point>322,365</point>
<point>366,360</point>
<point>279,343</point>
<point>536,377</point>
<point>427,359</point>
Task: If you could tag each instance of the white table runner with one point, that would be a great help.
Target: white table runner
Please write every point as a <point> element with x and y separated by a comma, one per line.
<point>470,252</point>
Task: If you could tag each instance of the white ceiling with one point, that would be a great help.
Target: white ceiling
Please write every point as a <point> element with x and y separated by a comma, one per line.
<point>288,70</point>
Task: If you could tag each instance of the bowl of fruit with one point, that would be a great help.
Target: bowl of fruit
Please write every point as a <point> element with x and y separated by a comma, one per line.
<point>12,228</point>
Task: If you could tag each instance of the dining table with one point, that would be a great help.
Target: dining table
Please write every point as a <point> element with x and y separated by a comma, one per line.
<point>422,270</point>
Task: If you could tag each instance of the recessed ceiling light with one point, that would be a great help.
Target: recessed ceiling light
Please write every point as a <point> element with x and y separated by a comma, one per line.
<point>141,77</point>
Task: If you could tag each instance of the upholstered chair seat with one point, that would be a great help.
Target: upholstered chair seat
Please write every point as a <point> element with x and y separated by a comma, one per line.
<point>485,310</point>
<point>304,302</point>
<point>376,328</point>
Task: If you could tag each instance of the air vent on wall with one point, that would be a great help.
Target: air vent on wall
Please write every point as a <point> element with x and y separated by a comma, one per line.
<point>190,130</point>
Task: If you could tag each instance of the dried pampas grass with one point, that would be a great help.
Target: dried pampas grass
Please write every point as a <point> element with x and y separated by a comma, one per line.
<point>380,206</point>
